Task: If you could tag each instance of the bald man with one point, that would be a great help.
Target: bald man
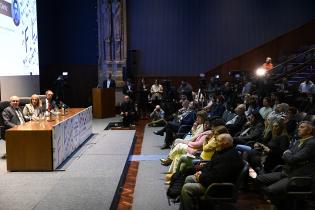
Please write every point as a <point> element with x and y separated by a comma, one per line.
<point>225,166</point>
<point>13,115</point>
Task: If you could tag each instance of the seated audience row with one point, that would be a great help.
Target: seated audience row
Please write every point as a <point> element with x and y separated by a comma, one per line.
<point>266,136</point>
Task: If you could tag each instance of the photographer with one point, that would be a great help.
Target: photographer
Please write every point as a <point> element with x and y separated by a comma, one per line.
<point>157,117</point>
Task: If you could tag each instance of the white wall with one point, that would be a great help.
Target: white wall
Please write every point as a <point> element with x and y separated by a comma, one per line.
<point>19,86</point>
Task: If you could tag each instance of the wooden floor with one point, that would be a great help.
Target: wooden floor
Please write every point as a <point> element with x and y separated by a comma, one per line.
<point>126,197</point>
<point>247,200</point>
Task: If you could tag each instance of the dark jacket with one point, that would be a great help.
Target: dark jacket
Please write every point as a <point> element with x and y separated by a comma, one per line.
<point>225,166</point>
<point>254,134</point>
<point>53,105</point>
<point>237,125</point>
<point>10,117</point>
<point>189,118</point>
<point>129,92</point>
<point>128,107</point>
<point>300,161</point>
<point>112,83</point>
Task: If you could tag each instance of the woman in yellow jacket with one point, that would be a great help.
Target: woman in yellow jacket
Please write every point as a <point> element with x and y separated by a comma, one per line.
<point>208,150</point>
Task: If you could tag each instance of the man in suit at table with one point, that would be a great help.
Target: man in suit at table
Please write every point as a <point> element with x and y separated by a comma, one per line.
<point>13,115</point>
<point>109,82</point>
<point>49,104</point>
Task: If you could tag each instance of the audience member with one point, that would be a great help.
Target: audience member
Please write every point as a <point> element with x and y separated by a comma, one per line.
<point>247,88</point>
<point>284,86</point>
<point>185,116</point>
<point>198,125</point>
<point>307,87</point>
<point>224,167</point>
<point>252,131</point>
<point>280,111</point>
<point>185,89</point>
<point>213,87</point>
<point>157,117</point>
<point>227,93</point>
<point>143,102</point>
<point>266,155</point>
<point>299,160</point>
<point>237,122</point>
<point>217,107</point>
<point>128,111</point>
<point>208,148</point>
<point>291,120</point>
<point>129,90</point>
<point>156,92</point>
<point>265,86</point>
<point>252,105</point>
<point>266,109</point>
<point>190,147</point>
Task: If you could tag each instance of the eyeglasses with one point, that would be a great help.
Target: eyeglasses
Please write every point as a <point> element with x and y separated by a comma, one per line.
<point>15,101</point>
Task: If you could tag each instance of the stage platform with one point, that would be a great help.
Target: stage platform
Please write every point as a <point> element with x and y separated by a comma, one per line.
<point>89,179</point>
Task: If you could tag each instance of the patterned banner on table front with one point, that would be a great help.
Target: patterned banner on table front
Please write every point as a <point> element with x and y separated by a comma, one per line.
<point>70,134</point>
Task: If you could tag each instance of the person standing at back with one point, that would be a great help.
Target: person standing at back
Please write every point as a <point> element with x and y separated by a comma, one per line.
<point>109,82</point>
<point>268,64</point>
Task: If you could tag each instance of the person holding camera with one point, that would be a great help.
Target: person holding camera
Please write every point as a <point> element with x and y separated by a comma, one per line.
<point>157,117</point>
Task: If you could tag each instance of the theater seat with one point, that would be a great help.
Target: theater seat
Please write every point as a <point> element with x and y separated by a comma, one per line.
<point>219,193</point>
<point>299,189</point>
<point>3,105</point>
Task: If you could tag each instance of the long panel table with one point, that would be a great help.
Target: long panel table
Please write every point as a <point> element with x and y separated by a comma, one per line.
<point>43,145</point>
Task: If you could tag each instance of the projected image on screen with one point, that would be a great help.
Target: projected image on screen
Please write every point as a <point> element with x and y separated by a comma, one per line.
<point>18,38</point>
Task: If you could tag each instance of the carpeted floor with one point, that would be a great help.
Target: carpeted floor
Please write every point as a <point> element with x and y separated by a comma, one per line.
<point>88,180</point>
<point>145,189</point>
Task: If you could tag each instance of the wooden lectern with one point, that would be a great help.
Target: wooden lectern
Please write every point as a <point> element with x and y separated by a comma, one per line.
<point>103,102</point>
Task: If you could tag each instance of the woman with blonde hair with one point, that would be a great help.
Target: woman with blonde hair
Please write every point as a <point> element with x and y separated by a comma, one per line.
<point>209,148</point>
<point>32,110</point>
<point>265,156</point>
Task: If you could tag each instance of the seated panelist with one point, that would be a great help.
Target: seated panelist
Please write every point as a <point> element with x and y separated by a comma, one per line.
<point>32,110</point>
<point>13,115</point>
<point>49,104</point>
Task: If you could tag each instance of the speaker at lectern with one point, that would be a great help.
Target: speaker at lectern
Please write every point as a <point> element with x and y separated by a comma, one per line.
<point>103,102</point>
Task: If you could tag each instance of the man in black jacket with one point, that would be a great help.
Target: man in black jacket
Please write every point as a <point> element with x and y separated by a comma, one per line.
<point>236,123</point>
<point>109,82</point>
<point>252,130</point>
<point>225,166</point>
<point>299,160</point>
<point>13,114</point>
<point>128,111</point>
